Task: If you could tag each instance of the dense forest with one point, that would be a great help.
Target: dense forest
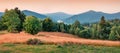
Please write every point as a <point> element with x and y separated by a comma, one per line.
<point>16,21</point>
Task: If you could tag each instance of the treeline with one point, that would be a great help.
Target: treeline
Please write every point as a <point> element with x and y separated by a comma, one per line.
<point>15,20</point>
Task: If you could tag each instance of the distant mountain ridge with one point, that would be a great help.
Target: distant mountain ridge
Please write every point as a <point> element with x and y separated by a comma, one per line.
<point>38,15</point>
<point>86,17</point>
<point>91,16</point>
<point>1,13</point>
<point>58,16</point>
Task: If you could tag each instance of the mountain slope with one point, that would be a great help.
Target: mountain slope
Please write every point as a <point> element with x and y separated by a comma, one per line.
<point>1,13</point>
<point>58,16</point>
<point>91,16</point>
<point>27,12</point>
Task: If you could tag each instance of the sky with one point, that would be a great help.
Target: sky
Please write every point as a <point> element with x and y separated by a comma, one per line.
<point>67,6</point>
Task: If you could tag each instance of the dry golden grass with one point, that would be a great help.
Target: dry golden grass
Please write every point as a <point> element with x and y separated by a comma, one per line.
<point>54,38</point>
<point>3,32</point>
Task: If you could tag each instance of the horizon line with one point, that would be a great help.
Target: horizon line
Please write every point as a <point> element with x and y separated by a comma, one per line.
<point>69,13</point>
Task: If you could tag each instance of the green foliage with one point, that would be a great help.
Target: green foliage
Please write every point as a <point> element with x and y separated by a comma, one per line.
<point>62,27</point>
<point>55,27</point>
<point>115,33</point>
<point>32,25</point>
<point>67,28</point>
<point>71,31</point>
<point>85,33</point>
<point>74,26</point>
<point>2,26</point>
<point>47,24</point>
<point>112,36</point>
<point>102,21</point>
<point>77,24</point>
<point>94,31</point>
<point>21,16</point>
<point>104,28</point>
<point>77,31</point>
<point>11,20</point>
<point>13,17</point>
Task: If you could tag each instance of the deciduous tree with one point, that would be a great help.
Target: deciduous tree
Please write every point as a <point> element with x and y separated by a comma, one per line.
<point>32,25</point>
<point>11,20</point>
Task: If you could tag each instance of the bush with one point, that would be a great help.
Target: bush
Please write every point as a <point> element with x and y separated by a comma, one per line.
<point>34,41</point>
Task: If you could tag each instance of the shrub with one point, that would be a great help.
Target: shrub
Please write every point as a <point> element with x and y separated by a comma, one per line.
<point>60,46</point>
<point>34,41</point>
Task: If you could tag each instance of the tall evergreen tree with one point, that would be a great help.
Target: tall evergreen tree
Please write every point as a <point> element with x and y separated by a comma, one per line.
<point>21,16</point>
<point>104,28</point>
<point>102,21</point>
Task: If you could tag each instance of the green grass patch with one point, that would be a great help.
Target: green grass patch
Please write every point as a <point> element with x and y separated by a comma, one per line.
<point>5,51</point>
<point>8,45</point>
<point>72,48</point>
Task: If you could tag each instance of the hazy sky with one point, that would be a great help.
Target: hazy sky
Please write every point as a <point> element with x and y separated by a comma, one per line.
<point>67,6</point>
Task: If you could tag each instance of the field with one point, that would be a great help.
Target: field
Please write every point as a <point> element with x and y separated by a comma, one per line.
<point>23,48</point>
<point>55,42</point>
<point>53,38</point>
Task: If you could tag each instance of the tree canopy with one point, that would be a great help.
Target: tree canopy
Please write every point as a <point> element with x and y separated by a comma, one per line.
<point>47,24</point>
<point>32,25</point>
<point>11,20</point>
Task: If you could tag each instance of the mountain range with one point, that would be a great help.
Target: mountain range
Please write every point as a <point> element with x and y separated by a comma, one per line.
<point>86,17</point>
<point>58,16</point>
<point>1,13</point>
<point>91,16</point>
<point>38,15</point>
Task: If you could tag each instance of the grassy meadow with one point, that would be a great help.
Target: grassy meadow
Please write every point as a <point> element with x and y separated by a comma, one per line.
<point>23,48</point>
